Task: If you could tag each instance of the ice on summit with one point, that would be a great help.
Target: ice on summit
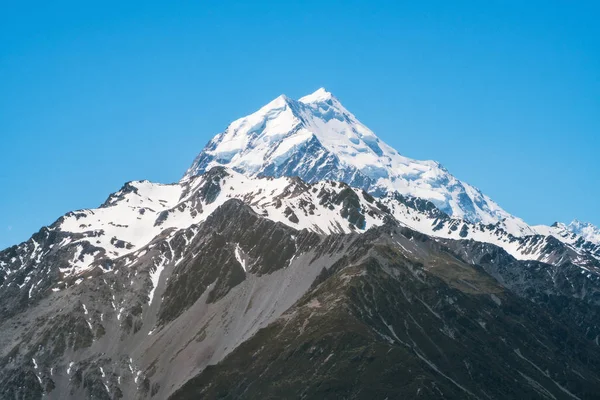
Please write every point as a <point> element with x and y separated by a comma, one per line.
<point>319,95</point>
<point>317,138</point>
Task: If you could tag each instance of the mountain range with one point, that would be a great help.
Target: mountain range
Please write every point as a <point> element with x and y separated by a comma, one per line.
<point>301,257</point>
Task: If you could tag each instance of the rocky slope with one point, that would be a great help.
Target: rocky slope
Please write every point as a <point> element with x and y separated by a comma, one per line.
<point>401,316</point>
<point>159,303</point>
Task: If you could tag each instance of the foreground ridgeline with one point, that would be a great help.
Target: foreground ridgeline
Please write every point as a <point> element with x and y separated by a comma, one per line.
<point>301,257</point>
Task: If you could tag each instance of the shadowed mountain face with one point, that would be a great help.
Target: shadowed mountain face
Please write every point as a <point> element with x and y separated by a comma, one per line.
<point>401,317</point>
<point>370,275</point>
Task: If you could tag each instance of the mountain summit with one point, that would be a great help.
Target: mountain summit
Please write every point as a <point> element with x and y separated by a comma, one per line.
<point>316,138</point>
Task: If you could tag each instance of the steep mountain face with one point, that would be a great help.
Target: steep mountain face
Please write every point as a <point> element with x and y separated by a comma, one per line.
<point>128,333</point>
<point>296,250</point>
<point>402,317</point>
<point>316,138</point>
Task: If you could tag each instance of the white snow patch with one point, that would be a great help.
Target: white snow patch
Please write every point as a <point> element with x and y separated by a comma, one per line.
<point>155,276</point>
<point>137,376</point>
<point>239,258</point>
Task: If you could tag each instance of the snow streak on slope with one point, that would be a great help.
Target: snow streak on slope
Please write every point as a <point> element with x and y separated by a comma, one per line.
<point>316,138</point>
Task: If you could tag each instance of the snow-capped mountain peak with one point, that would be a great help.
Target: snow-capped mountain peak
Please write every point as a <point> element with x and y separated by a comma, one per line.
<point>317,138</point>
<point>581,235</point>
<point>319,95</point>
<point>586,230</point>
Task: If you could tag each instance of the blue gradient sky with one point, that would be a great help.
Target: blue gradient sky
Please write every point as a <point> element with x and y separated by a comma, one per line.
<point>92,94</point>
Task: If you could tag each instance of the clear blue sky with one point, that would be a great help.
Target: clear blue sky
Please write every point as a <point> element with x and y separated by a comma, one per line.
<point>92,94</point>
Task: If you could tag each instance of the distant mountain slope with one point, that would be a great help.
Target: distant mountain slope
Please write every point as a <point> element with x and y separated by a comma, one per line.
<point>577,230</point>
